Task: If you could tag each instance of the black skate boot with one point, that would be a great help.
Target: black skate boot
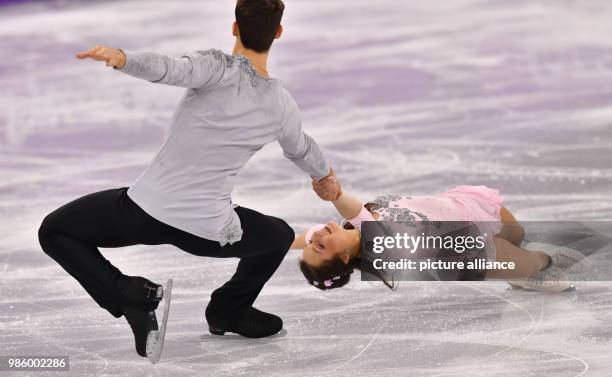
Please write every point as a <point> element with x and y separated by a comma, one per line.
<point>254,324</point>
<point>139,300</point>
<point>143,322</point>
<point>140,292</point>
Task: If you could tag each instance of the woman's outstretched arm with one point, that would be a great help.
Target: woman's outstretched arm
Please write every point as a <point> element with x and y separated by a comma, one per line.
<point>348,206</point>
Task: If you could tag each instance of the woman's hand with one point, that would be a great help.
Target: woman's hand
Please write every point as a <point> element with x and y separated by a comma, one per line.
<point>113,57</point>
<point>327,188</point>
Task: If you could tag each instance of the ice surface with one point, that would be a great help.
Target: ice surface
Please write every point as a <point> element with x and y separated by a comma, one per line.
<point>404,98</point>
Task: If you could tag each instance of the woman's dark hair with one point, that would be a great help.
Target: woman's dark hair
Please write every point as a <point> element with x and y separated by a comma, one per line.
<point>335,273</point>
<point>258,21</point>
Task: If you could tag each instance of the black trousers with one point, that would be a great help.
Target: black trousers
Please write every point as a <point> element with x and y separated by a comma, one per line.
<point>72,234</point>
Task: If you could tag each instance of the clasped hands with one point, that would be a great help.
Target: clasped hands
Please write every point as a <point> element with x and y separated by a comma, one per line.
<point>327,188</point>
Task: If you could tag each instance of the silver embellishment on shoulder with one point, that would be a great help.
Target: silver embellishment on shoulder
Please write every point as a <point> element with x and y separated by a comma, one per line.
<point>384,200</point>
<point>243,61</point>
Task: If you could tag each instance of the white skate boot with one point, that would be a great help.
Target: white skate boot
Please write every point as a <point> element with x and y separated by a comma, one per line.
<point>551,279</point>
<point>568,260</point>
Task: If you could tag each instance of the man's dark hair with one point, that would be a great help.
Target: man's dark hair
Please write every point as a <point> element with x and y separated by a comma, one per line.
<point>258,21</point>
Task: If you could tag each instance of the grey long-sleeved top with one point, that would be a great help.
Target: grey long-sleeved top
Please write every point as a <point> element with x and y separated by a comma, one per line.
<point>227,114</point>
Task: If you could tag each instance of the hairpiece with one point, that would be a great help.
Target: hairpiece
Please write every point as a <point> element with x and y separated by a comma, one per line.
<point>328,282</point>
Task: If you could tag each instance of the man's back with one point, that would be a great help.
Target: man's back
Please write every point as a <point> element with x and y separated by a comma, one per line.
<point>228,113</point>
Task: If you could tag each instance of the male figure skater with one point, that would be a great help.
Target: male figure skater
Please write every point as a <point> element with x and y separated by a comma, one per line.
<point>230,110</point>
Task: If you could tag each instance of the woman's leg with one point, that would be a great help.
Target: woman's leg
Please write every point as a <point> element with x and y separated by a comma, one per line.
<point>526,262</point>
<point>512,230</point>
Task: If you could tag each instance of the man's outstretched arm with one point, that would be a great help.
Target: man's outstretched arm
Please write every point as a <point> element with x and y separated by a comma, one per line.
<point>193,70</point>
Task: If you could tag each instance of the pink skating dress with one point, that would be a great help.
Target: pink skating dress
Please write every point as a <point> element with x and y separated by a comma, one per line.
<point>479,204</point>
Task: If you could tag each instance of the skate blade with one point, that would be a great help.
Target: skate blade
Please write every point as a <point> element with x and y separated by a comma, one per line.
<point>514,287</point>
<point>155,339</point>
<point>571,288</point>
<point>215,331</point>
<point>518,287</point>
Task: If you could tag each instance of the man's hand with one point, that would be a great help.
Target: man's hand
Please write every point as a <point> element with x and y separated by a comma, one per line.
<point>112,56</point>
<point>327,188</point>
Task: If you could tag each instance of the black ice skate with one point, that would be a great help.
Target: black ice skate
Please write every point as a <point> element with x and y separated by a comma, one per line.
<point>148,336</point>
<point>255,324</point>
<point>142,322</point>
<point>142,292</point>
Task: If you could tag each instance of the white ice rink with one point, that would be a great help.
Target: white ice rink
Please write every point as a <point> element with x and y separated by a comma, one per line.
<point>404,97</point>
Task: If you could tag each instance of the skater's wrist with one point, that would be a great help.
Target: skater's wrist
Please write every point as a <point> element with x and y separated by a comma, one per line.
<point>339,195</point>
<point>327,188</point>
<point>121,60</point>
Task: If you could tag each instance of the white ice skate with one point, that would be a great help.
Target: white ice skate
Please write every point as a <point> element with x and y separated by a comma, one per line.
<point>155,340</point>
<point>569,260</point>
<point>551,279</point>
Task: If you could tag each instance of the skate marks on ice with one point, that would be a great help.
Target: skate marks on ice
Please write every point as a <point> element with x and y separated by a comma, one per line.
<point>36,333</point>
<point>535,326</point>
<point>411,101</point>
<point>379,337</point>
<point>427,339</point>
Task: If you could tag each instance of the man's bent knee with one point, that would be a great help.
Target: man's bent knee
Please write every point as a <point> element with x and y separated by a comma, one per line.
<point>285,234</point>
<point>46,232</point>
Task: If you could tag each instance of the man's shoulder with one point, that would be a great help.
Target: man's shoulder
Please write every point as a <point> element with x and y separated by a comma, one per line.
<point>287,98</point>
<point>216,54</point>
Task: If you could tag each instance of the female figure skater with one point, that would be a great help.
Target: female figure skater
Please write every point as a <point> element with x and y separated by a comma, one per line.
<point>331,252</point>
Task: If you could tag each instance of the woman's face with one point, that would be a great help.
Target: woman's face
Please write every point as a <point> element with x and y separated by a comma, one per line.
<point>327,244</point>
